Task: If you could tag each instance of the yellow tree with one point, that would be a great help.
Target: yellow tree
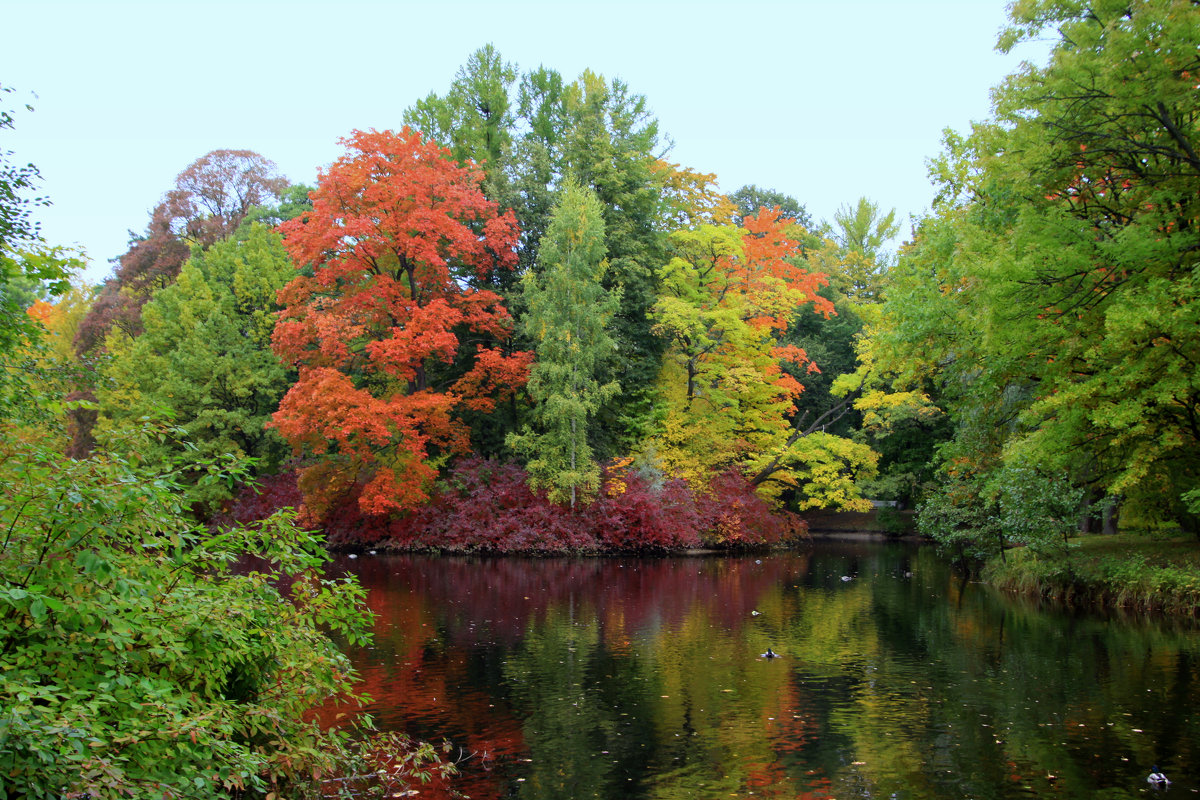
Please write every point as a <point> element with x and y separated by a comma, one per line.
<point>727,294</point>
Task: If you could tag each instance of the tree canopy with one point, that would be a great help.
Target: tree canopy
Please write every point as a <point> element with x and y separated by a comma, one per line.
<point>391,342</point>
<point>1052,295</point>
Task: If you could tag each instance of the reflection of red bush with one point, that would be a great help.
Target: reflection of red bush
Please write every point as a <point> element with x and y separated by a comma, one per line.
<point>498,600</point>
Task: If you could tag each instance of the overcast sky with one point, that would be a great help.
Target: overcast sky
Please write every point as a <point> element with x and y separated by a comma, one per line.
<point>826,101</point>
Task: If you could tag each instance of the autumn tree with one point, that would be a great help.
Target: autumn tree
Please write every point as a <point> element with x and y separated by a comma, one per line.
<point>568,310</point>
<point>216,192</point>
<point>727,294</point>
<point>61,315</point>
<point>691,198</point>
<point>392,345</point>
<point>209,200</point>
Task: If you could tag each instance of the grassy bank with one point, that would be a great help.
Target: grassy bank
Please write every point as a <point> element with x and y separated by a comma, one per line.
<point>1142,572</point>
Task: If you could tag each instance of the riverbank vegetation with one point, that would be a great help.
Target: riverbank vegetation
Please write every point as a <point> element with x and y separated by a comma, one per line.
<point>1142,572</point>
<point>512,324</point>
<point>519,277</point>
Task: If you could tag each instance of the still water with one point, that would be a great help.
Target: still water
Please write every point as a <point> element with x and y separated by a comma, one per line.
<point>644,678</point>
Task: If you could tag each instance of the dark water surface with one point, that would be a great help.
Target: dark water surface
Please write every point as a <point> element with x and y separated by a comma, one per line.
<point>643,678</point>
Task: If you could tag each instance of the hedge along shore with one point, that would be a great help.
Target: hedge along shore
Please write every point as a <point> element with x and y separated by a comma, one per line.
<point>1148,573</point>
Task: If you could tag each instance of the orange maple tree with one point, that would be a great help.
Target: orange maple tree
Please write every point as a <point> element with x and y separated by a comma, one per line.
<point>398,240</point>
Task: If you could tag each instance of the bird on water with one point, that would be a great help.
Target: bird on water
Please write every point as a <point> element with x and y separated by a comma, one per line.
<point>1156,777</point>
<point>770,654</point>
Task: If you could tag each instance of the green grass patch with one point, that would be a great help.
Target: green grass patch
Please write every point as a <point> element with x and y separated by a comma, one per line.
<point>1152,572</point>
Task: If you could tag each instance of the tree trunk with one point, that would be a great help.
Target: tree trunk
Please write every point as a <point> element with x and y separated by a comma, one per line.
<point>1112,507</point>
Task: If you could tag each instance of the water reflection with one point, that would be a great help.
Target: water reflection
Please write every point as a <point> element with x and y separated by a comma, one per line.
<point>643,678</point>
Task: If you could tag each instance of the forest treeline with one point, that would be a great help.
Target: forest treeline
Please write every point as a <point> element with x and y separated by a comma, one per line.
<point>513,324</point>
<point>510,325</point>
<point>518,278</point>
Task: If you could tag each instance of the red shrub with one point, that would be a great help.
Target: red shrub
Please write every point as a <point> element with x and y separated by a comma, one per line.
<point>255,502</point>
<point>487,507</point>
<point>733,515</point>
<point>632,514</point>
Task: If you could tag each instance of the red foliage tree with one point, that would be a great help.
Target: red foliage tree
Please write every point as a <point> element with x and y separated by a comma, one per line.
<point>216,192</point>
<point>391,342</point>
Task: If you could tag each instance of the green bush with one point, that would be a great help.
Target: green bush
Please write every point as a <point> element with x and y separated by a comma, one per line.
<point>139,655</point>
<point>979,516</point>
<point>1036,508</point>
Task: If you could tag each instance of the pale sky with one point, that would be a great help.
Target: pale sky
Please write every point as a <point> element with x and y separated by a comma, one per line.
<point>826,101</point>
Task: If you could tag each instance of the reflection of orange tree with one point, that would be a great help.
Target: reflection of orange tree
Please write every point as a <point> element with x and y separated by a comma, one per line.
<point>415,686</point>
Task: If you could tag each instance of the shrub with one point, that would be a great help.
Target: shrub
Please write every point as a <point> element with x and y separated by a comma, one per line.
<point>735,516</point>
<point>138,658</point>
<point>486,506</point>
<point>637,512</point>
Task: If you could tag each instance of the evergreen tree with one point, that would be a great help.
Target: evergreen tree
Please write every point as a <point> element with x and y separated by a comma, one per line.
<point>205,359</point>
<point>566,320</point>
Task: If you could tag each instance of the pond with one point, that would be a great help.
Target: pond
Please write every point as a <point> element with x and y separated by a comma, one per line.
<point>645,678</point>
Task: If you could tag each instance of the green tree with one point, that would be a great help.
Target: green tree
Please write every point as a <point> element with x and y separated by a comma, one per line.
<point>1102,144</point>
<point>475,118</point>
<point>1053,293</point>
<point>865,229</point>
<point>609,145</point>
<point>593,131</point>
<point>568,311</point>
<point>293,201</point>
<point>750,199</point>
<point>537,164</point>
<point>204,358</point>
<point>854,255</point>
<point>17,225</point>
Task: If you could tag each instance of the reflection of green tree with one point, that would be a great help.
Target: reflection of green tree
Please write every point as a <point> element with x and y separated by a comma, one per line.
<point>586,724</point>
<point>720,699</point>
<point>868,730</point>
<point>892,684</point>
<point>690,704</point>
<point>966,697</point>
